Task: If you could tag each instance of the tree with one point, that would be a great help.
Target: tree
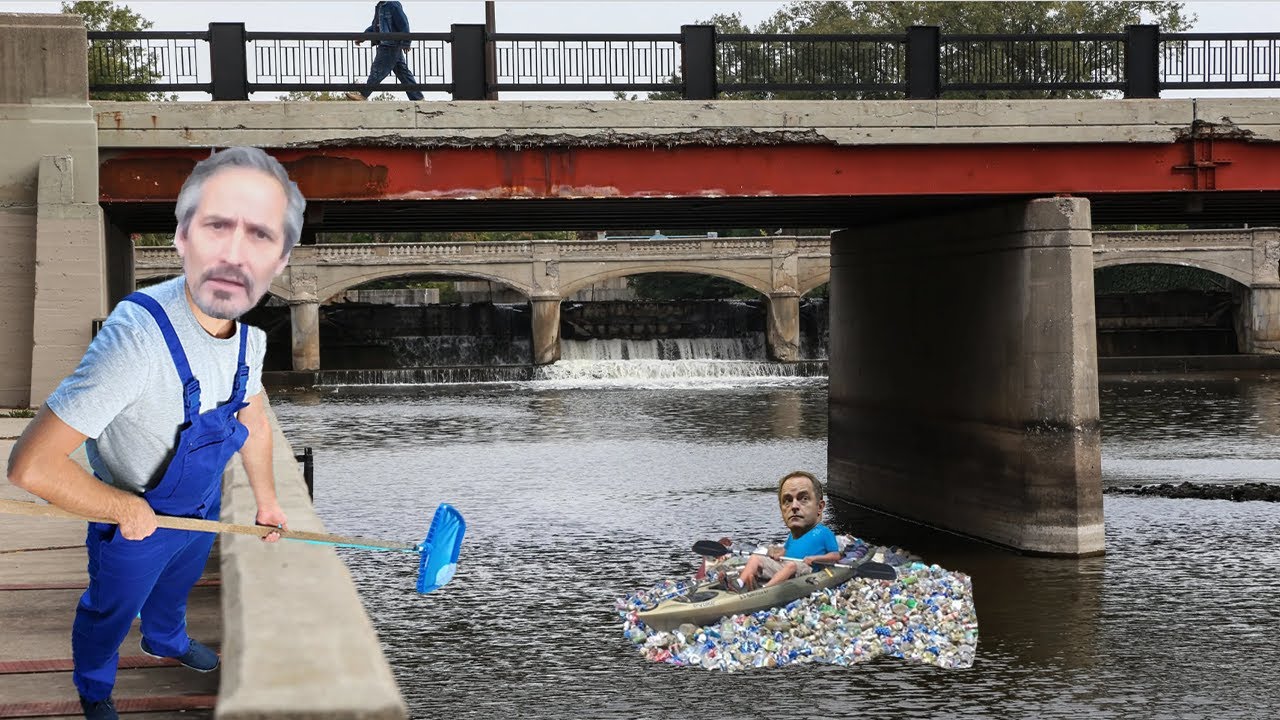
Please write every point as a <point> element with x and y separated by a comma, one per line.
<point>117,62</point>
<point>758,61</point>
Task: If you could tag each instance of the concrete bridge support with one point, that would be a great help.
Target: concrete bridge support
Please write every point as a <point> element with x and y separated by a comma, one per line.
<point>1262,322</point>
<point>304,316</point>
<point>782,334</point>
<point>51,254</point>
<point>546,330</point>
<point>972,403</point>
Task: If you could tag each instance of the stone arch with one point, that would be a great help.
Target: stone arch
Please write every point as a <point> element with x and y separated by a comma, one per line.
<point>1228,271</point>
<point>346,283</point>
<point>643,269</point>
<point>814,283</point>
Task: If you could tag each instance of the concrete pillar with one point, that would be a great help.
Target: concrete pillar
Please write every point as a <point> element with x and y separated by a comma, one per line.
<point>546,330</point>
<point>304,317</point>
<point>119,263</point>
<point>50,291</point>
<point>69,276</point>
<point>963,374</point>
<point>1262,321</point>
<point>783,327</point>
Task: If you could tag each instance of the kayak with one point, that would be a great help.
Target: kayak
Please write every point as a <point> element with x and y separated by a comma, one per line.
<point>708,603</point>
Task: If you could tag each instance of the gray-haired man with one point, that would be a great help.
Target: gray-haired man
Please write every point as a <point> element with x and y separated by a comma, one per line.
<point>168,391</point>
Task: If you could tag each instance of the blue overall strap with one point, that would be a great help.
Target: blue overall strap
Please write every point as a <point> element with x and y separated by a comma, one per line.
<point>190,386</point>
<point>242,370</point>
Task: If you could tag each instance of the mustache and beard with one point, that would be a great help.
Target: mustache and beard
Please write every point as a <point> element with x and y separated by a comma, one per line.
<point>221,303</point>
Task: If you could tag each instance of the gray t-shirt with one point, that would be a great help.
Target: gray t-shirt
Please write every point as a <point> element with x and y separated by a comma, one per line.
<point>126,397</point>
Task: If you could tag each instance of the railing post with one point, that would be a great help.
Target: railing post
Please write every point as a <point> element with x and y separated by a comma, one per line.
<point>924,46</point>
<point>468,56</point>
<point>227,66</point>
<point>308,471</point>
<point>698,61</point>
<point>1142,61</point>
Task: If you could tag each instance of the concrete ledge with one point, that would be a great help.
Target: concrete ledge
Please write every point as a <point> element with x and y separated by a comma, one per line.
<point>724,122</point>
<point>1188,363</point>
<point>297,642</point>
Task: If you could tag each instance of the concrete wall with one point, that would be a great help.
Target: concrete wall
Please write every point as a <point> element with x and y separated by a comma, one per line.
<point>296,640</point>
<point>51,285</point>
<point>971,403</point>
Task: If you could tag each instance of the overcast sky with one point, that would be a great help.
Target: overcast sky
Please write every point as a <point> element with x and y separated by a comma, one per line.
<point>534,16</point>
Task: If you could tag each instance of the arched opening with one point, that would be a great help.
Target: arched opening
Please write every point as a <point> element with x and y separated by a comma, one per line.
<point>664,316</point>
<point>1148,309</point>
<point>417,320</point>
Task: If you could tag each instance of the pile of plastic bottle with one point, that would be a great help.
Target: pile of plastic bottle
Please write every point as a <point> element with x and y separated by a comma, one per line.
<point>927,615</point>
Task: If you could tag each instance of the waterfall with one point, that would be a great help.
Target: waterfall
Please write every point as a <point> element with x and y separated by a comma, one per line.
<point>746,348</point>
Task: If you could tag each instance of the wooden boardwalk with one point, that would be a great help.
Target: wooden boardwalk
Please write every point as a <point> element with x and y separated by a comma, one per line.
<point>42,574</point>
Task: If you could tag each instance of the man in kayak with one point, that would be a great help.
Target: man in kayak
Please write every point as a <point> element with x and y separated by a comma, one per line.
<point>801,501</point>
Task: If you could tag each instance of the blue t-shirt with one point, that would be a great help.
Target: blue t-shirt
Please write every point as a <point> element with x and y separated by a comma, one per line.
<point>818,541</point>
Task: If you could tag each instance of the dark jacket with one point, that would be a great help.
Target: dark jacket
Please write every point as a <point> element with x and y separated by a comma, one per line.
<point>388,17</point>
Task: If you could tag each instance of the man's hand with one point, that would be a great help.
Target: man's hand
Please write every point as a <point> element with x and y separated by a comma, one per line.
<point>775,552</point>
<point>359,41</point>
<point>272,516</point>
<point>138,520</point>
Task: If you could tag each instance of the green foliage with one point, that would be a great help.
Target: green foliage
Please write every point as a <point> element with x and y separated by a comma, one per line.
<point>152,239</point>
<point>1129,279</point>
<point>313,95</point>
<point>116,62</point>
<point>325,95</point>
<point>872,62</point>
<point>18,413</point>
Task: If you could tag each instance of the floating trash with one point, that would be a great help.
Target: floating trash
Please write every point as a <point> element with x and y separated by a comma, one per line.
<point>926,615</point>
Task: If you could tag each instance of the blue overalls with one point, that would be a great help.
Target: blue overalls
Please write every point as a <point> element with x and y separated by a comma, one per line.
<point>154,576</point>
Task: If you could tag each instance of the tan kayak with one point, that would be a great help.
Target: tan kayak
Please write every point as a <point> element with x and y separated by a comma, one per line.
<point>709,603</point>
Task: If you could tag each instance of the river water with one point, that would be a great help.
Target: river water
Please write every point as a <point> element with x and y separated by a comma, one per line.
<point>576,492</point>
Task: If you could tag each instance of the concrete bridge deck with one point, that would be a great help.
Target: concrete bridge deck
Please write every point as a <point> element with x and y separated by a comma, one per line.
<point>294,639</point>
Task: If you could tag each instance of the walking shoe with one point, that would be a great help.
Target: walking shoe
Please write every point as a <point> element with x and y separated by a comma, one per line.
<point>99,709</point>
<point>197,657</point>
<point>356,96</point>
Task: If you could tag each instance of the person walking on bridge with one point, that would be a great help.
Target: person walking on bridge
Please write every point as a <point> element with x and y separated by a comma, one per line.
<point>388,17</point>
<point>168,391</point>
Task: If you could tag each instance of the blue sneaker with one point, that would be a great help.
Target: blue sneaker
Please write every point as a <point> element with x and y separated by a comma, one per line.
<point>197,657</point>
<point>99,709</point>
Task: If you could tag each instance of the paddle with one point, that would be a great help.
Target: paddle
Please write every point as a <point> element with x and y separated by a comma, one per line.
<point>437,554</point>
<point>866,569</point>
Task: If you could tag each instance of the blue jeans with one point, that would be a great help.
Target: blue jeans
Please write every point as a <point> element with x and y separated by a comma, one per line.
<point>390,59</point>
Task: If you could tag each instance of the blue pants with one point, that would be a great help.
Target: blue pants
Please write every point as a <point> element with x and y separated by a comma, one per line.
<point>152,577</point>
<point>390,59</point>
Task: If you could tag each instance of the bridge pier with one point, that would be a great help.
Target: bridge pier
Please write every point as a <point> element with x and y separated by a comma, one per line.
<point>782,335</point>
<point>51,251</point>
<point>304,319</point>
<point>973,404</point>
<point>546,330</point>
<point>1262,324</point>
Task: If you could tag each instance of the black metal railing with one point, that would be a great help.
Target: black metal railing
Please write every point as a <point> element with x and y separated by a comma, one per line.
<point>538,62</point>
<point>1197,61</point>
<point>698,63</point>
<point>781,63</point>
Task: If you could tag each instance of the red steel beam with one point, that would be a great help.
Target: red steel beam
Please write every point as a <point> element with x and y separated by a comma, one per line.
<point>809,170</point>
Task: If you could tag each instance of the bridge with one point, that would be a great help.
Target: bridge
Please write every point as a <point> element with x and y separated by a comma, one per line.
<point>979,413</point>
<point>782,269</point>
